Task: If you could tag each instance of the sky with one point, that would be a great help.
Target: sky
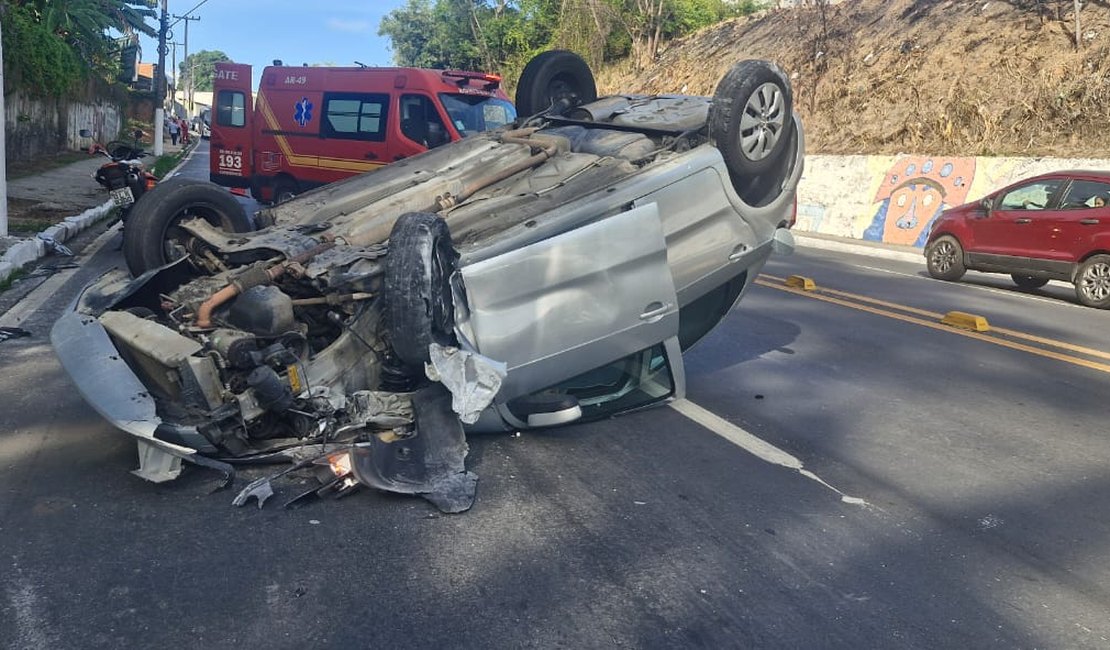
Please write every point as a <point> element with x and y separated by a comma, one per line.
<point>332,32</point>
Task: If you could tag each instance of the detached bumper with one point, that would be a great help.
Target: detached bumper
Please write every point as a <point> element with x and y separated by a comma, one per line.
<point>109,385</point>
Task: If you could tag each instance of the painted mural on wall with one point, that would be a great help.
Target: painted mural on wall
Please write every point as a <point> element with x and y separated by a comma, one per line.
<point>912,194</point>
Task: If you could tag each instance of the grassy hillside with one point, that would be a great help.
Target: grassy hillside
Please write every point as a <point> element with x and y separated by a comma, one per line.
<point>951,77</point>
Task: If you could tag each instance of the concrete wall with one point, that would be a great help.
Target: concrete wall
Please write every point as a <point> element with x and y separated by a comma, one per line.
<point>38,127</point>
<point>894,199</point>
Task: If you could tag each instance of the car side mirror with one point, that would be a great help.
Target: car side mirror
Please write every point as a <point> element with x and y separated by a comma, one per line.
<point>987,204</point>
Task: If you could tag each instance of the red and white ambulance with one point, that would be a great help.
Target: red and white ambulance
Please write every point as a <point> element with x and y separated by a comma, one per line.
<point>310,126</point>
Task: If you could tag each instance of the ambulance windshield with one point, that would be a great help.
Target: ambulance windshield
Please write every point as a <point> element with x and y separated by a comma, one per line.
<point>476,113</point>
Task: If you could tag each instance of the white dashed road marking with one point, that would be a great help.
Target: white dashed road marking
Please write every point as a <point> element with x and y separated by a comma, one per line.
<point>755,446</point>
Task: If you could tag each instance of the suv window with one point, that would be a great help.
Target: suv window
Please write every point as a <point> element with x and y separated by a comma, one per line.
<point>420,122</point>
<point>231,108</point>
<point>1034,196</point>
<point>1082,195</point>
<point>355,116</point>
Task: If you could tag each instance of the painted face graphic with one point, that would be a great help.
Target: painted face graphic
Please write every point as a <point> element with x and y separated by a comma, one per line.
<point>914,191</point>
<point>912,207</point>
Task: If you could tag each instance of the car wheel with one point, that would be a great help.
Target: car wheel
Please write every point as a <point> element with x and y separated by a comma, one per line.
<point>557,80</point>
<point>752,117</point>
<point>1092,282</point>
<point>152,238</point>
<point>285,189</point>
<point>418,306</point>
<point>1028,281</point>
<point>945,258</point>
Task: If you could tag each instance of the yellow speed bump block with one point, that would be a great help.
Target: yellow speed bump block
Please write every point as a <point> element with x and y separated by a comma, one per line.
<point>966,321</point>
<point>801,282</point>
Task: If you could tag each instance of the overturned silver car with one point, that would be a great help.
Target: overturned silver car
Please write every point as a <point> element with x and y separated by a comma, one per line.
<point>549,272</point>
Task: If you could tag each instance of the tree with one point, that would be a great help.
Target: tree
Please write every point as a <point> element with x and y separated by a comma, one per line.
<point>199,68</point>
<point>65,40</point>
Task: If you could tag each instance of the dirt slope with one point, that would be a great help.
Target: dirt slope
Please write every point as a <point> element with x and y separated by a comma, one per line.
<point>942,77</point>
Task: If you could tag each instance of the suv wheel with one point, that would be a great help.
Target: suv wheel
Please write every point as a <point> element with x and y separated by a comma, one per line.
<point>945,258</point>
<point>1092,282</point>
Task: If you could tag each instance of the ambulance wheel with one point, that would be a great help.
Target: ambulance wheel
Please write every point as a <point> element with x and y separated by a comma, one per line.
<point>558,80</point>
<point>152,237</point>
<point>418,305</point>
<point>284,190</point>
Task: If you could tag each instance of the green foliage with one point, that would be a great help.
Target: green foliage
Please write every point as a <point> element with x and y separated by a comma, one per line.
<point>202,67</point>
<point>501,35</point>
<point>52,45</point>
<point>36,59</point>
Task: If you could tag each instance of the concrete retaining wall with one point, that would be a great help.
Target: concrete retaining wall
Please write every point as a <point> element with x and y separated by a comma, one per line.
<point>43,127</point>
<point>894,199</point>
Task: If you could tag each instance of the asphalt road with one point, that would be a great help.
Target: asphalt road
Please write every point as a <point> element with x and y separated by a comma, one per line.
<point>954,494</point>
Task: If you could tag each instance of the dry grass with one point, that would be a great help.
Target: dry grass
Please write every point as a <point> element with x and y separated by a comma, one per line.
<point>888,76</point>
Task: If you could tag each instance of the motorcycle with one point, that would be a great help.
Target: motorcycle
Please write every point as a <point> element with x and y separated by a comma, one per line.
<point>125,177</point>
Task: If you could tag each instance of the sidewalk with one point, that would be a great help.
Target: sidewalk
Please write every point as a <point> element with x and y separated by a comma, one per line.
<point>66,189</point>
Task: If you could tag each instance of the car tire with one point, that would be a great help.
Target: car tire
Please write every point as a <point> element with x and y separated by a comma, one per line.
<point>148,238</point>
<point>120,150</point>
<point>1092,282</point>
<point>1028,282</point>
<point>751,118</point>
<point>945,258</point>
<point>418,305</point>
<point>285,189</point>
<point>557,80</point>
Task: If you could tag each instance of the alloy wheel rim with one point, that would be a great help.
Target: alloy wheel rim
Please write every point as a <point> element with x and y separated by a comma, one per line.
<point>944,256</point>
<point>1095,282</point>
<point>761,124</point>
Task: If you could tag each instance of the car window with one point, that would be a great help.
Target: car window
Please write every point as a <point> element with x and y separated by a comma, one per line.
<point>637,380</point>
<point>420,122</point>
<point>231,108</point>
<point>1033,196</point>
<point>1083,195</point>
<point>355,116</point>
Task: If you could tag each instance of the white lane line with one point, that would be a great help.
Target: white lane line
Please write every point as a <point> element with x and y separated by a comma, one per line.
<point>1001,292</point>
<point>755,446</point>
<point>34,300</point>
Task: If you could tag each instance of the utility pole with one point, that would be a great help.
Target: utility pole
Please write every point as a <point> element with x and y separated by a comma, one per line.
<point>176,74</point>
<point>160,81</point>
<point>3,157</point>
<point>189,82</point>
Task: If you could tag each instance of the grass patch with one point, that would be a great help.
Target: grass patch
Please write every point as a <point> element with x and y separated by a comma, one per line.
<point>164,164</point>
<point>29,226</point>
<point>7,282</point>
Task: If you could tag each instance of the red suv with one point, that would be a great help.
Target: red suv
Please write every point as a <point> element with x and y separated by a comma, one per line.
<point>1051,227</point>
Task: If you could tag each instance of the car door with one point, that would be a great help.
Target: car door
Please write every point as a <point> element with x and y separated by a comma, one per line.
<point>1084,212</point>
<point>573,303</point>
<point>1008,231</point>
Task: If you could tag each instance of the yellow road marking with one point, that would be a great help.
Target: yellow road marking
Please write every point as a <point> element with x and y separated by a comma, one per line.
<point>1063,345</point>
<point>1094,365</point>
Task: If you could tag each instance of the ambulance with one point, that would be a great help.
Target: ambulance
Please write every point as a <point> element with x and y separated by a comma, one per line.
<point>309,126</point>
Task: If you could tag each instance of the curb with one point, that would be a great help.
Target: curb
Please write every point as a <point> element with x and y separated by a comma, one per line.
<point>859,247</point>
<point>30,250</point>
